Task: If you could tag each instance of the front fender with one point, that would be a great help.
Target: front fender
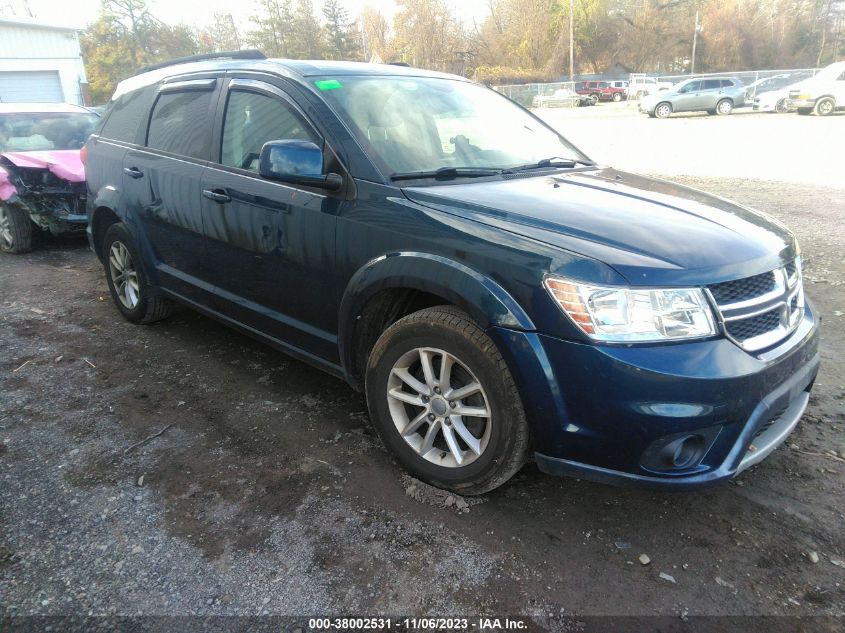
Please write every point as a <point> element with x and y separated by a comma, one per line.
<point>481,297</point>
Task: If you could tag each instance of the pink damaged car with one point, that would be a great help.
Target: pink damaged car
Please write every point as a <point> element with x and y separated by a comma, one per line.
<point>42,179</point>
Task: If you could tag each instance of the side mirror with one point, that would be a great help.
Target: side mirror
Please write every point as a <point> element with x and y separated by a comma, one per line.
<point>298,163</point>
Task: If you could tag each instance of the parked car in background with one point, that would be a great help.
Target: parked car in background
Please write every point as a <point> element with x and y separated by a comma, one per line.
<point>600,90</point>
<point>769,84</point>
<point>640,87</point>
<point>716,95</point>
<point>773,101</point>
<point>42,179</point>
<point>496,295</point>
<point>822,94</point>
<point>563,98</point>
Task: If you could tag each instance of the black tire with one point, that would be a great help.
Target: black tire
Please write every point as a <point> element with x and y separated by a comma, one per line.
<point>724,107</point>
<point>780,106</point>
<point>617,97</point>
<point>15,229</point>
<point>805,111</point>
<point>825,106</point>
<point>663,110</point>
<point>150,306</point>
<point>451,330</point>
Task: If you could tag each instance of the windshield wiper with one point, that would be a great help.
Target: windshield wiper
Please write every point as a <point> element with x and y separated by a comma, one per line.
<point>447,173</point>
<point>555,161</point>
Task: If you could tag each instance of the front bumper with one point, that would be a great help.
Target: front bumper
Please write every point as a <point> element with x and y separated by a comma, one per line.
<point>604,413</point>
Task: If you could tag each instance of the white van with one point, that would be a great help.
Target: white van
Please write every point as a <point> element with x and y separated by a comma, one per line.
<point>823,94</point>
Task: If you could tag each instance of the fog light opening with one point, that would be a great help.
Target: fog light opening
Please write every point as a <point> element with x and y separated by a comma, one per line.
<point>683,452</point>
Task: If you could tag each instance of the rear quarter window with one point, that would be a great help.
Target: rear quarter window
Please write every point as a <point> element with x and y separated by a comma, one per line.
<point>180,123</point>
<point>124,117</point>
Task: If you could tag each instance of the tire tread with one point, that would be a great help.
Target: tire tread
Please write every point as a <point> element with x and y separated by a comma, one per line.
<point>21,229</point>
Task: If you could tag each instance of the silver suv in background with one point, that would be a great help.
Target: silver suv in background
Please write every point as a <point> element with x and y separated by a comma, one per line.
<point>716,95</point>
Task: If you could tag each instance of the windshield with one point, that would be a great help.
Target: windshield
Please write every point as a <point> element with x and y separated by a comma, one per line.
<point>36,131</point>
<point>416,124</point>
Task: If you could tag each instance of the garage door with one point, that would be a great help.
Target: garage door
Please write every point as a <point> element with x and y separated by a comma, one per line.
<point>40,86</point>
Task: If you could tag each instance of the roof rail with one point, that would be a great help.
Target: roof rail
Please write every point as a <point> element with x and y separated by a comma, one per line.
<point>244,54</point>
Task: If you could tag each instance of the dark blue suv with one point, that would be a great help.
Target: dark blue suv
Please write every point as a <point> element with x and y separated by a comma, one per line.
<point>496,294</point>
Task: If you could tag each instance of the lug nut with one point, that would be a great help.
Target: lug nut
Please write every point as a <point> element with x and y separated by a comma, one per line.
<point>437,390</point>
<point>431,417</point>
<point>425,398</point>
<point>453,404</point>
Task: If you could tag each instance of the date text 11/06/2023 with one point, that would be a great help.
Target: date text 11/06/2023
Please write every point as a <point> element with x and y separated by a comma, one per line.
<point>418,624</point>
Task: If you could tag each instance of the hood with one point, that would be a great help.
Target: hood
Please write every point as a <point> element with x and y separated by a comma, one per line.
<point>650,231</point>
<point>65,164</point>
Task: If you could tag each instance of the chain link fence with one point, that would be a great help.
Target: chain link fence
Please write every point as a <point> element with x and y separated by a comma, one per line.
<point>755,81</point>
<point>563,94</point>
<point>560,94</point>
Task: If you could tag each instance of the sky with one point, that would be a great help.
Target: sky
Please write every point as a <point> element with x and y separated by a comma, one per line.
<point>198,13</point>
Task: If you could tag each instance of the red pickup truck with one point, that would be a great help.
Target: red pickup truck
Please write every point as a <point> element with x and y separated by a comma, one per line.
<point>602,90</point>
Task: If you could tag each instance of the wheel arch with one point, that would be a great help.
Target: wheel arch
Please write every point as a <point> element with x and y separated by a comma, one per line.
<point>391,286</point>
<point>101,219</point>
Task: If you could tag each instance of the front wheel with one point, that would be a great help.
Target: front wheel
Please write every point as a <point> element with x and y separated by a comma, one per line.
<point>780,106</point>
<point>663,110</point>
<point>128,284</point>
<point>15,229</point>
<point>617,97</point>
<point>724,107</point>
<point>443,401</point>
<point>825,106</point>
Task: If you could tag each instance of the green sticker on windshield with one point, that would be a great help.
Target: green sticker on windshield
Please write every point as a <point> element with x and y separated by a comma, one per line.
<point>328,84</point>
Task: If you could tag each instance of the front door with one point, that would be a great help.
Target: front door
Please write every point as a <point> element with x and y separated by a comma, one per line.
<point>270,245</point>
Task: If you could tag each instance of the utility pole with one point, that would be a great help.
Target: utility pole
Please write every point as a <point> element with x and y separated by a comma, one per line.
<point>694,42</point>
<point>571,40</point>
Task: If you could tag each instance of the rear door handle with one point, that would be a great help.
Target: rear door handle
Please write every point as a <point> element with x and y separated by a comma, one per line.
<point>218,195</point>
<point>133,172</point>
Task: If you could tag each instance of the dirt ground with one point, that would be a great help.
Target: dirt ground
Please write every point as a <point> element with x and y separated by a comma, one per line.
<point>267,492</point>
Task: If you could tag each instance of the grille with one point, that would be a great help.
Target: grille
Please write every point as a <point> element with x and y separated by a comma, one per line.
<point>754,326</point>
<point>790,269</point>
<point>743,289</point>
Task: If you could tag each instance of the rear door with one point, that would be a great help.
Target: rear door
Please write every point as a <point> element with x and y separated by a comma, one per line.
<point>270,244</point>
<point>712,91</point>
<point>162,182</point>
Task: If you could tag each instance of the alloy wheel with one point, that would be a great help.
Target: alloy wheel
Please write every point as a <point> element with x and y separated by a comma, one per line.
<point>663,110</point>
<point>825,107</point>
<point>725,107</point>
<point>124,275</point>
<point>439,407</point>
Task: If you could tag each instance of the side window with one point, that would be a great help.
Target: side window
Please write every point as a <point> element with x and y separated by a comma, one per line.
<point>727,83</point>
<point>712,84</point>
<point>180,123</point>
<point>125,116</point>
<point>251,120</point>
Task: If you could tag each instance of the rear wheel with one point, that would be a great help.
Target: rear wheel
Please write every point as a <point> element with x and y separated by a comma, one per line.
<point>724,107</point>
<point>130,290</point>
<point>15,229</point>
<point>617,96</point>
<point>825,106</point>
<point>444,402</point>
<point>663,110</point>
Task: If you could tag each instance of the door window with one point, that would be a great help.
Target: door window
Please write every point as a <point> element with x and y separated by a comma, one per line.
<point>251,120</point>
<point>180,123</point>
<point>712,84</point>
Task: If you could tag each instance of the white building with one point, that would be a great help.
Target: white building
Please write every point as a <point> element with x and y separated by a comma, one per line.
<point>40,62</point>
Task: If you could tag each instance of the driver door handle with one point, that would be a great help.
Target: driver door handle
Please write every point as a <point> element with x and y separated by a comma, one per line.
<point>133,172</point>
<point>218,195</point>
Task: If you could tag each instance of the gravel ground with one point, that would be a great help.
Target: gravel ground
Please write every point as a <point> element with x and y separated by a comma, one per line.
<point>267,492</point>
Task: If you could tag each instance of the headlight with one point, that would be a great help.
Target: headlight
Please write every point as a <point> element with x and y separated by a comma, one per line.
<point>623,315</point>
